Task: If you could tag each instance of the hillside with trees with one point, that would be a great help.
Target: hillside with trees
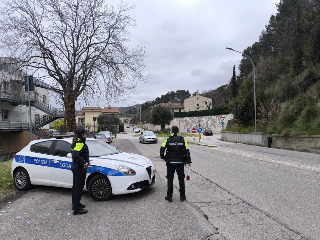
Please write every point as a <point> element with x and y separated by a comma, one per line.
<point>287,61</point>
<point>287,74</point>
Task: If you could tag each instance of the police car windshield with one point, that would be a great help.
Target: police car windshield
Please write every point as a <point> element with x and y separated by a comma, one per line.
<point>99,148</point>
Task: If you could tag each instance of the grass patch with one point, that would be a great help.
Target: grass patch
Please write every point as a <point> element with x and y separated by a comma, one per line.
<point>6,180</point>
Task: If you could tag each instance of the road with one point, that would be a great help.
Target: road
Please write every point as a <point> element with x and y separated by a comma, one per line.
<point>250,192</point>
<point>236,192</point>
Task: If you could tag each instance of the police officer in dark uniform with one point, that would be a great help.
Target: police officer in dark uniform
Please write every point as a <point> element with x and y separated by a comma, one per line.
<point>80,163</point>
<point>177,156</point>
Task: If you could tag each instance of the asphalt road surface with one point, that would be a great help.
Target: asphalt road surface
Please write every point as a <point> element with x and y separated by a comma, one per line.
<point>236,192</point>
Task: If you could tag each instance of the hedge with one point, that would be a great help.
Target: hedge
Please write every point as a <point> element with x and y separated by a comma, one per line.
<point>219,110</point>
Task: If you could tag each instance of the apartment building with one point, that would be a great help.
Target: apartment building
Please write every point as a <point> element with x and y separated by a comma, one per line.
<point>14,118</point>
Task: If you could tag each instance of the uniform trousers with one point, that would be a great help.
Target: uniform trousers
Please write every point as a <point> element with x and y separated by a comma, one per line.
<point>179,168</point>
<point>79,177</point>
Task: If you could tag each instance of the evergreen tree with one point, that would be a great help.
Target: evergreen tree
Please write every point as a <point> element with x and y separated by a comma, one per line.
<point>233,84</point>
<point>298,45</point>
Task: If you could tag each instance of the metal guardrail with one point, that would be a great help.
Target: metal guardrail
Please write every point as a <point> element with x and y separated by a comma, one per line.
<point>7,156</point>
<point>10,125</point>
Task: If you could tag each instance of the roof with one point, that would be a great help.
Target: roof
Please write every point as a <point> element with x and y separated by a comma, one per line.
<point>91,109</point>
<point>80,114</point>
<point>110,110</point>
<point>170,105</point>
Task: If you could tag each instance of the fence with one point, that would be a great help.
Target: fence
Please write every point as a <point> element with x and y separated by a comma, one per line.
<point>7,156</point>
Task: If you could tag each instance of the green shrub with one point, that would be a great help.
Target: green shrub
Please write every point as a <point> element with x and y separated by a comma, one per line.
<point>6,180</point>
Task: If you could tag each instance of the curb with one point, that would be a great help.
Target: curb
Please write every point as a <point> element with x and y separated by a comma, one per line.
<point>203,144</point>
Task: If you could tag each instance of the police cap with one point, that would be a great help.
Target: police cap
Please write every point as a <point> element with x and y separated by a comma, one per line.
<point>80,131</point>
<point>175,129</point>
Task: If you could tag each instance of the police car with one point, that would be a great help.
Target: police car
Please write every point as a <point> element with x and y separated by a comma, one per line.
<point>48,162</point>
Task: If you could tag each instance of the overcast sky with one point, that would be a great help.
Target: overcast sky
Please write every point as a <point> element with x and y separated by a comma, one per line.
<point>186,40</point>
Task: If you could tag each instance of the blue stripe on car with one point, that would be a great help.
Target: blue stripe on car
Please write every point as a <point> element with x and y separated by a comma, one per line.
<point>66,165</point>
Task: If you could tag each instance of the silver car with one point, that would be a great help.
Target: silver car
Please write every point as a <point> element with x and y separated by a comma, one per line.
<point>148,137</point>
<point>107,134</point>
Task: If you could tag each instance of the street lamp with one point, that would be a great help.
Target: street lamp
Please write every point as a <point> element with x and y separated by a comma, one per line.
<point>254,88</point>
<point>140,113</point>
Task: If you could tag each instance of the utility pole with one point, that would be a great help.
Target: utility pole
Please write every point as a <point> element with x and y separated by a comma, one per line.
<point>29,87</point>
<point>254,88</point>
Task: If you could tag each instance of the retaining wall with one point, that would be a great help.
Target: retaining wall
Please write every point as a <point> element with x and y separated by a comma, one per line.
<point>303,143</point>
<point>206,122</point>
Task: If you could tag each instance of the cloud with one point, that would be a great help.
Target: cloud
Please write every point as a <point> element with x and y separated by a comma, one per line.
<point>186,41</point>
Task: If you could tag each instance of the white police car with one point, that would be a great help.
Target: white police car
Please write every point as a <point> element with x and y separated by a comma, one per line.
<point>48,162</point>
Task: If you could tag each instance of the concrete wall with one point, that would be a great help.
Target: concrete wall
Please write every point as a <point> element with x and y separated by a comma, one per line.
<point>248,138</point>
<point>206,122</point>
<point>303,143</point>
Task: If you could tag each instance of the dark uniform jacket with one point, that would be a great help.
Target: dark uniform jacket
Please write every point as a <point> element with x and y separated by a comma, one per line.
<point>80,153</point>
<point>177,150</point>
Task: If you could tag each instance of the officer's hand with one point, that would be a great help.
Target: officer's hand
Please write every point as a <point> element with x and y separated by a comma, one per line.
<point>189,164</point>
<point>86,165</point>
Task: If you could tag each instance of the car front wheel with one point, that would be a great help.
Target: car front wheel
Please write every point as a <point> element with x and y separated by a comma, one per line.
<point>22,180</point>
<point>100,188</point>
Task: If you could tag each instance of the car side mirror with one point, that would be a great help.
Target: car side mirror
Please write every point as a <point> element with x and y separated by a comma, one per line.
<point>69,155</point>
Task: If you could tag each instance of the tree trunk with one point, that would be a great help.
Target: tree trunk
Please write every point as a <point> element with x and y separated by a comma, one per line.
<point>163,127</point>
<point>70,109</point>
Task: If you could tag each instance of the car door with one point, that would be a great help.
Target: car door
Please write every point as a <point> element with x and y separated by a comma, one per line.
<point>60,164</point>
<point>39,161</point>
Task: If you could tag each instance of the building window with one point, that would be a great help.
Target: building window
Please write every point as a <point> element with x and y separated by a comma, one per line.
<point>197,104</point>
<point>4,114</point>
<point>44,99</point>
<point>179,109</point>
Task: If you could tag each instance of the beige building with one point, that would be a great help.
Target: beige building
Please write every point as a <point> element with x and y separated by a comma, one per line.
<point>197,103</point>
<point>80,119</point>
<point>89,114</point>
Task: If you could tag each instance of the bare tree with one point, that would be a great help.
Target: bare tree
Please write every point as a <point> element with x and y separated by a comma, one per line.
<point>82,46</point>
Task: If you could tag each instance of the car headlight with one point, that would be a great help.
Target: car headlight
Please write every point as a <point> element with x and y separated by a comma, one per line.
<point>126,170</point>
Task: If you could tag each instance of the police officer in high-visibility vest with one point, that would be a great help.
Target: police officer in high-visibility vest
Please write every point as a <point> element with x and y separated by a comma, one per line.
<point>80,163</point>
<point>176,157</point>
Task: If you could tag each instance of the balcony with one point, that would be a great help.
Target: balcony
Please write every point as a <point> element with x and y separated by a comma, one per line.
<point>9,126</point>
<point>13,99</point>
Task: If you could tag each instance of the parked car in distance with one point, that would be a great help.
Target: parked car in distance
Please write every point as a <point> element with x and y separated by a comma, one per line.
<point>137,130</point>
<point>48,162</point>
<point>148,137</point>
<point>128,125</point>
<point>101,137</point>
<point>208,132</point>
<point>107,134</point>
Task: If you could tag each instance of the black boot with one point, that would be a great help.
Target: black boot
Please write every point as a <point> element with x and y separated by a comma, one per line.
<point>183,198</point>
<point>81,211</point>
<point>169,199</point>
<point>81,206</point>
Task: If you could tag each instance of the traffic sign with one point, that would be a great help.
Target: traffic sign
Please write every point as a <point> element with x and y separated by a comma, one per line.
<point>222,124</point>
<point>199,129</point>
<point>194,130</point>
